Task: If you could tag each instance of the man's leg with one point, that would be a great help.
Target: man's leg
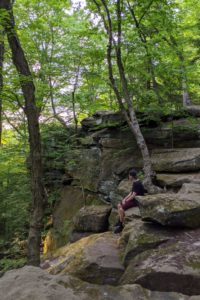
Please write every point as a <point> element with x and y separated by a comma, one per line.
<point>119,225</point>
<point>121,213</point>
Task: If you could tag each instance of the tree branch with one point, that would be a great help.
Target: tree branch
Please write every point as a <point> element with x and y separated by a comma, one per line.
<point>146,11</point>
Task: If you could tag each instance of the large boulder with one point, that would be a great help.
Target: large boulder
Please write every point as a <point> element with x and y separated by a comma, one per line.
<point>175,210</point>
<point>92,218</point>
<point>35,284</point>
<point>176,160</point>
<point>93,259</point>
<point>138,237</point>
<point>173,266</point>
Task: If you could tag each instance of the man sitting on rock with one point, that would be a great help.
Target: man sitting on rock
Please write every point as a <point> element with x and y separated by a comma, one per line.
<point>128,201</point>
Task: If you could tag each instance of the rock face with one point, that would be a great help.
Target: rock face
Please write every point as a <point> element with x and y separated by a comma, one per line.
<point>33,283</point>
<point>92,219</point>
<point>83,165</point>
<point>102,154</point>
<point>176,210</point>
<point>71,200</point>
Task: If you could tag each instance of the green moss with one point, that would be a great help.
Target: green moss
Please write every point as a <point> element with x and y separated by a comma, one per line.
<point>194,263</point>
<point>166,250</point>
<point>85,140</point>
<point>147,238</point>
<point>109,124</point>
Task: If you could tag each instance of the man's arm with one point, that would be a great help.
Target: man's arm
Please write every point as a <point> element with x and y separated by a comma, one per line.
<point>129,197</point>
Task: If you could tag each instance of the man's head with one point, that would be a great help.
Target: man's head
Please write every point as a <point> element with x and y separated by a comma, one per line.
<point>132,174</point>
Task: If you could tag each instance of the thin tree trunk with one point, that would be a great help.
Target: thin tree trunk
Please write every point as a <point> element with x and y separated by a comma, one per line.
<point>129,115</point>
<point>1,80</point>
<point>50,82</point>
<point>31,110</point>
<point>73,98</point>
<point>185,91</point>
<point>134,125</point>
<point>55,114</point>
<point>74,111</point>
<point>185,95</point>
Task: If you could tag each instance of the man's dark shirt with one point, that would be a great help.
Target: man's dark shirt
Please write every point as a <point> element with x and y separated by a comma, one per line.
<point>138,188</point>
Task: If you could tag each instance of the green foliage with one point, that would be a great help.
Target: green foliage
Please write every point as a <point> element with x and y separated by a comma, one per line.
<point>7,264</point>
<point>15,202</point>
<point>65,42</point>
<point>14,190</point>
<point>56,142</point>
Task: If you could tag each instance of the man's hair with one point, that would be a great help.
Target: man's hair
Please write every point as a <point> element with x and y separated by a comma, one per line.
<point>133,173</point>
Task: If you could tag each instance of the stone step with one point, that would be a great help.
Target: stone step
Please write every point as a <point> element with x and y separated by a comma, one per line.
<point>177,180</point>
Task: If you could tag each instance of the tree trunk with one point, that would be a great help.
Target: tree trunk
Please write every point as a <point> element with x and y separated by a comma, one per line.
<point>186,96</point>
<point>31,110</point>
<point>1,79</point>
<point>74,112</point>
<point>185,91</point>
<point>129,115</point>
<point>73,98</point>
<point>133,122</point>
<point>55,114</point>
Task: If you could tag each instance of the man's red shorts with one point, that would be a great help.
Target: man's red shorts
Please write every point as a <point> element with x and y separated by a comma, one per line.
<point>128,204</point>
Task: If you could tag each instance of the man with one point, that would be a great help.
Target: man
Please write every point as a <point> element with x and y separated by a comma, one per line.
<point>128,201</point>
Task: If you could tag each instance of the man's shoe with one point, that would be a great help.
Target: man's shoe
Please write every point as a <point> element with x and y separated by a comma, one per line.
<point>118,228</point>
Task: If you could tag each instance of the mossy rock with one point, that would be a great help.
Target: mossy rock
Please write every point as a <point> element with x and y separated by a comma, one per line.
<point>173,266</point>
<point>93,259</point>
<point>175,210</point>
<point>33,283</point>
<point>138,237</point>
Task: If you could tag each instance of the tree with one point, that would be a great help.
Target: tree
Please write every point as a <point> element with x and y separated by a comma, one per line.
<point>32,114</point>
<point>122,92</point>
